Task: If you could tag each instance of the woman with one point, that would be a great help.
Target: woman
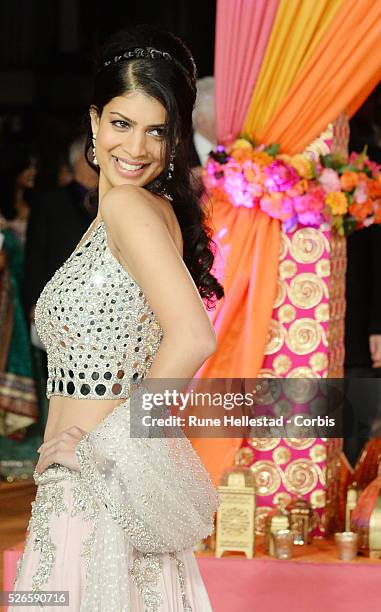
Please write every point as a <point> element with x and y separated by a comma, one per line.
<point>20,430</point>
<point>19,169</point>
<point>116,516</point>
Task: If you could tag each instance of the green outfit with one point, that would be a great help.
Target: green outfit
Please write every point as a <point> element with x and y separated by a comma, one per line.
<point>23,406</point>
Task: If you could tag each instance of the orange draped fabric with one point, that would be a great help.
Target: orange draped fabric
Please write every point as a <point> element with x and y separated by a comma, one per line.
<point>345,67</point>
<point>249,247</point>
<point>252,240</point>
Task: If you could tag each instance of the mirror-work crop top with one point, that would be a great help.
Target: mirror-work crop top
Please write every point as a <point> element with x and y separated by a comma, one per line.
<point>98,329</point>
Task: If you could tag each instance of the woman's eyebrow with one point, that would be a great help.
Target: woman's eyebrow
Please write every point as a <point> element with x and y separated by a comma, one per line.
<point>134,122</point>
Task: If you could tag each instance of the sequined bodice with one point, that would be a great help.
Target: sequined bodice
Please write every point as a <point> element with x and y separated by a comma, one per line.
<point>96,324</point>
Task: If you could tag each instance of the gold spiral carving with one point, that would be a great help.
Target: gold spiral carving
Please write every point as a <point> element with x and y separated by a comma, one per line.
<point>299,443</point>
<point>284,246</point>
<point>306,290</point>
<point>304,336</point>
<point>302,372</point>
<point>322,312</point>
<point>267,477</point>
<point>301,476</point>
<point>287,313</point>
<point>307,245</point>
<point>281,293</point>
<point>282,364</point>
<point>275,337</point>
<point>323,267</point>
<point>281,455</point>
<point>299,391</point>
<point>287,268</point>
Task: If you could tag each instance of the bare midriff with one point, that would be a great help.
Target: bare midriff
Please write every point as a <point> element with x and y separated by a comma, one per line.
<point>65,412</point>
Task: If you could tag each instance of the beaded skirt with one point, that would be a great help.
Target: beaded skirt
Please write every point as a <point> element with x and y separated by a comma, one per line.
<point>60,551</point>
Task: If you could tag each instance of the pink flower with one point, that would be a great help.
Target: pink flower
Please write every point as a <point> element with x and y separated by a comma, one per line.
<point>329,180</point>
<point>360,194</point>
<point>373,167</point>
<point>277,205</point>
<point>353,160</point>
<point>280,176</point>
<point>309,218</point>
<point>312,201</point>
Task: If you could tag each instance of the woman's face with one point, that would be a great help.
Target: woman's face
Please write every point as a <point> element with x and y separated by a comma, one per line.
<point>130,140</point>
<point>27,177</point>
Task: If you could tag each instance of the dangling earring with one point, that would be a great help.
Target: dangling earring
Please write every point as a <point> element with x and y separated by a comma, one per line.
<point>171,166</point>
<point>95,161</point>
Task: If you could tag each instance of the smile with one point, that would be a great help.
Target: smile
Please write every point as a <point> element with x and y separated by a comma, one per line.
<point>128,169</point>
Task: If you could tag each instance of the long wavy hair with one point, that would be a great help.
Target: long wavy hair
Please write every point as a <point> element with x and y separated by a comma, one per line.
<point>173,84</point>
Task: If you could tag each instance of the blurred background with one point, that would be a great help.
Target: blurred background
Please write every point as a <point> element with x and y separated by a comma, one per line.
<point>46,53</point>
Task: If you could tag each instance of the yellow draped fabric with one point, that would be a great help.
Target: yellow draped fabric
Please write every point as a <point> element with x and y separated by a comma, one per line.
<point>298,28</point>
<point>343,68</point>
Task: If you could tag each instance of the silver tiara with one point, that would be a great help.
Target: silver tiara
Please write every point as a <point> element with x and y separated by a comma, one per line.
<point>139,52</point>
<point>151,52</point>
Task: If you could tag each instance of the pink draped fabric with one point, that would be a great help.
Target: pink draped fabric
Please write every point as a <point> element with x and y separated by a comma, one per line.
<point>243,28</point>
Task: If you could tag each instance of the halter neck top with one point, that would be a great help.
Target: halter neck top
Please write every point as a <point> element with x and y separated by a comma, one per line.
<point>98,329</point>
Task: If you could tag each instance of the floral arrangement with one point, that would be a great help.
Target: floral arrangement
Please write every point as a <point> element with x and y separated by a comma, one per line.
<point>298,189</point>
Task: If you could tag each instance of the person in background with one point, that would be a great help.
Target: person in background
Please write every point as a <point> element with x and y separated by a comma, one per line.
<point>18,174</point>
<point>204,129</point>
<point>65,174</point>
<point>20,431</point>
<point>47,249</point>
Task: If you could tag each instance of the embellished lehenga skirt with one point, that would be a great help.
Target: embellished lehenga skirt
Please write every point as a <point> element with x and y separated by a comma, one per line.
<point>61,554</point>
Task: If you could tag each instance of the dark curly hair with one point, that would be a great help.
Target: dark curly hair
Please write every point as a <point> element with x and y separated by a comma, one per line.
<point>173,83</point>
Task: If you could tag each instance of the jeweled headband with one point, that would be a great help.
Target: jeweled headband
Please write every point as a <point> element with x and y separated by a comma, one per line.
<point>151,52</point>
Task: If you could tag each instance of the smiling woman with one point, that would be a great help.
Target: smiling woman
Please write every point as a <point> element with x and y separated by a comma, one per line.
<point>115,517</point>
<point>131,148</point>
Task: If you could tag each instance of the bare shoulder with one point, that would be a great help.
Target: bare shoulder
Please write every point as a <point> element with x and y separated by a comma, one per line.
<point>130,205</point>
<point>125,202</point>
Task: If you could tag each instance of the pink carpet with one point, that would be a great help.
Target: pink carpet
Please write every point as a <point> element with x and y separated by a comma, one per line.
<point>236,584</point>
<point>266,585</point>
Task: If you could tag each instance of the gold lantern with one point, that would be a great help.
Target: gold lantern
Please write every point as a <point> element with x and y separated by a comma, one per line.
<point>366,517</point>
<point>353,494</point>
<point>300,520</point>
<point>236,514</point>
<point>276,520</point>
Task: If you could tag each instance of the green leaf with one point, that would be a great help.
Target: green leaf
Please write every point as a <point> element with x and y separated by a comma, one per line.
<point>363,155</point>
<point>272,150</point>
<point>349,168</point>
<point>327,161</point>
<point>349,224</point>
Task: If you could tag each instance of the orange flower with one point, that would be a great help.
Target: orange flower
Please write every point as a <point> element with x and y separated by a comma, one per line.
<point>254,174</point>
<point>377,218</point>
<point>361,211</point>
<point>241,155</point>
<point>337,202</point>
<point>374,188</point>
<point>261,158</point>
<point>349,180</point>
<point>284,157</point>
